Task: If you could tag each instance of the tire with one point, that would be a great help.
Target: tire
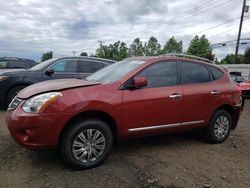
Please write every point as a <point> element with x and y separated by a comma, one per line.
<point>219,127</point>
<point>13,92</point>
<point>77,156</point>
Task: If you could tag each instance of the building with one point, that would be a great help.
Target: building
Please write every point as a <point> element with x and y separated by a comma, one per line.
<point>244,69</point>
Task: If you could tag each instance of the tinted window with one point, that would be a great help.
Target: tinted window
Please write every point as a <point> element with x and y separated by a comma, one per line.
<point>65,66</point>
<point>194,73</point>
<point>160,74</point>
<point>89,66</point>
<point>3,64</point>
<point>216,72</point>
<point>16,64</point>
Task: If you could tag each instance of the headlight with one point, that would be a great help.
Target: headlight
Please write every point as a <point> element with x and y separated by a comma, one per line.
<point>40,102</point>
<point>3,78</point>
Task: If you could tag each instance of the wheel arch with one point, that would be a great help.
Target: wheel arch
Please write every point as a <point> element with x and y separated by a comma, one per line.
<point>16,85</point>
<point>95,114</point>
<point>12,87</point>
<point>232,111</point>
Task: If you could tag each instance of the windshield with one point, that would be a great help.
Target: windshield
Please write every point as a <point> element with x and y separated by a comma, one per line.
<point>115,71</point>
<point>42,65</point>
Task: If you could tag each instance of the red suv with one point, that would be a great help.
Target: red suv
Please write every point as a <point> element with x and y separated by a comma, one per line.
<point>138,96</point>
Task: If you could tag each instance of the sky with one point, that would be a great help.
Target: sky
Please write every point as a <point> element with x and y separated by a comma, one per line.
<point>30,27</point>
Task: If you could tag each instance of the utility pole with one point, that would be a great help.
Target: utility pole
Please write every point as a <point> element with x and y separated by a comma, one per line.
<point>74,52</point>
<point>244,9</point>
<point>101,43</point>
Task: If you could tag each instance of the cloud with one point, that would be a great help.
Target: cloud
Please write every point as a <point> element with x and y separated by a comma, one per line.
<point>28,28</point>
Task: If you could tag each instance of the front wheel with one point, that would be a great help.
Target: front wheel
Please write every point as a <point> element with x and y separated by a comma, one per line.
<point>86,144</point>
<point>219,127</point>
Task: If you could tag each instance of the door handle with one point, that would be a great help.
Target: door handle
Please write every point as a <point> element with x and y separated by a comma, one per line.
<point>215,92</point>
<point>175,96</point>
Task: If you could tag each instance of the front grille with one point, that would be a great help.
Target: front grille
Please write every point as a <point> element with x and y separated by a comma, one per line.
<point>14,103</point>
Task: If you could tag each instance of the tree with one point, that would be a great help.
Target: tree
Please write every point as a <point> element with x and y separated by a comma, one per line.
<point>247,56</point>
<point>172,46</point>
<point>116,51</point>
<point>230,59</point>
<point>152,47</point>
<point>46,56</point>
<point>136,48</point>
<point>200,46</point>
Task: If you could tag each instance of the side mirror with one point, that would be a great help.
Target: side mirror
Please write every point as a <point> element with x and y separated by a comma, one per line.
<point>140,82</point>
<point>137,82</point>
<point>49,72</point>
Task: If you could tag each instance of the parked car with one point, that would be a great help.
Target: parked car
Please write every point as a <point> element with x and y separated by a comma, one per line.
<point>16,63</point>
<point>243,84</point>
<point>135,97</point>
<point>11,82</point>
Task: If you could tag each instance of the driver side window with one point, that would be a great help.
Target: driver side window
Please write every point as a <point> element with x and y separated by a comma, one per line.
<point>160,74</point>
<point>65,66</point>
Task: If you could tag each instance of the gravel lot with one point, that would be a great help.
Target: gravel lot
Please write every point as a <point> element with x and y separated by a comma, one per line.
<point>177,160</point>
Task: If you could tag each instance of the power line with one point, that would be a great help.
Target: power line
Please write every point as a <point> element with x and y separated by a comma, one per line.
<point>241,44</point>
<point>243,41</point>
<point>188,13</point>
<point>195,12</point>
<point>228,30</point>
<point>185,15</point>
<point>192,10</point>
<point>229,21</point>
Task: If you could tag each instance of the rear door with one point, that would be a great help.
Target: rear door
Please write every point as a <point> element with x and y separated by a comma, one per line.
<point>199,93</point>
<point>157,106</point>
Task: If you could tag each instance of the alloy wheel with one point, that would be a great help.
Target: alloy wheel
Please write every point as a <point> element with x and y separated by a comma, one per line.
<point>88,145</point>
<point>221,127</point>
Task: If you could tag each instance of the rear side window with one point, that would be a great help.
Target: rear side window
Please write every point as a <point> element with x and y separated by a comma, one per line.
<point>65,66</point>
<point>89,66</point>
<point>16,64</point>
<point>194,73</point>
<point>160,74</point>
<point>3,64</point>
<point>216,72</point>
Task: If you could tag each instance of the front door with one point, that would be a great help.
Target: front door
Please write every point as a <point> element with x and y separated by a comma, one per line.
<point>63,69</point>
<point>156,106</point>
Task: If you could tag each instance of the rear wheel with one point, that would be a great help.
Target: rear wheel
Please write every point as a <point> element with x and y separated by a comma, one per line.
<point>219,127</point>
<point>86,144</point>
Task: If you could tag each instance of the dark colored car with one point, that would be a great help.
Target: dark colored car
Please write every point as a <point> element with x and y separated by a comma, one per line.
<point>135,97</point>
<point>16,63</point>
<point>243,84</point>
<point>12,81</point>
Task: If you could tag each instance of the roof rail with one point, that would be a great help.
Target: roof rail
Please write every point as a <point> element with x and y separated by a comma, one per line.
<point>188,56</point>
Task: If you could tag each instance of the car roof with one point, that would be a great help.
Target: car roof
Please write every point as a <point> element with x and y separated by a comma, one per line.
<point>172,56</point>
<point>109,61</point>
<point>18,59</point>
<point>178,57</point>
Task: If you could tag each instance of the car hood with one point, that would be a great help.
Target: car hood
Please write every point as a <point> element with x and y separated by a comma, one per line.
<point>53,85</point>
<point>11,70</point>
<point>244,86</point>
